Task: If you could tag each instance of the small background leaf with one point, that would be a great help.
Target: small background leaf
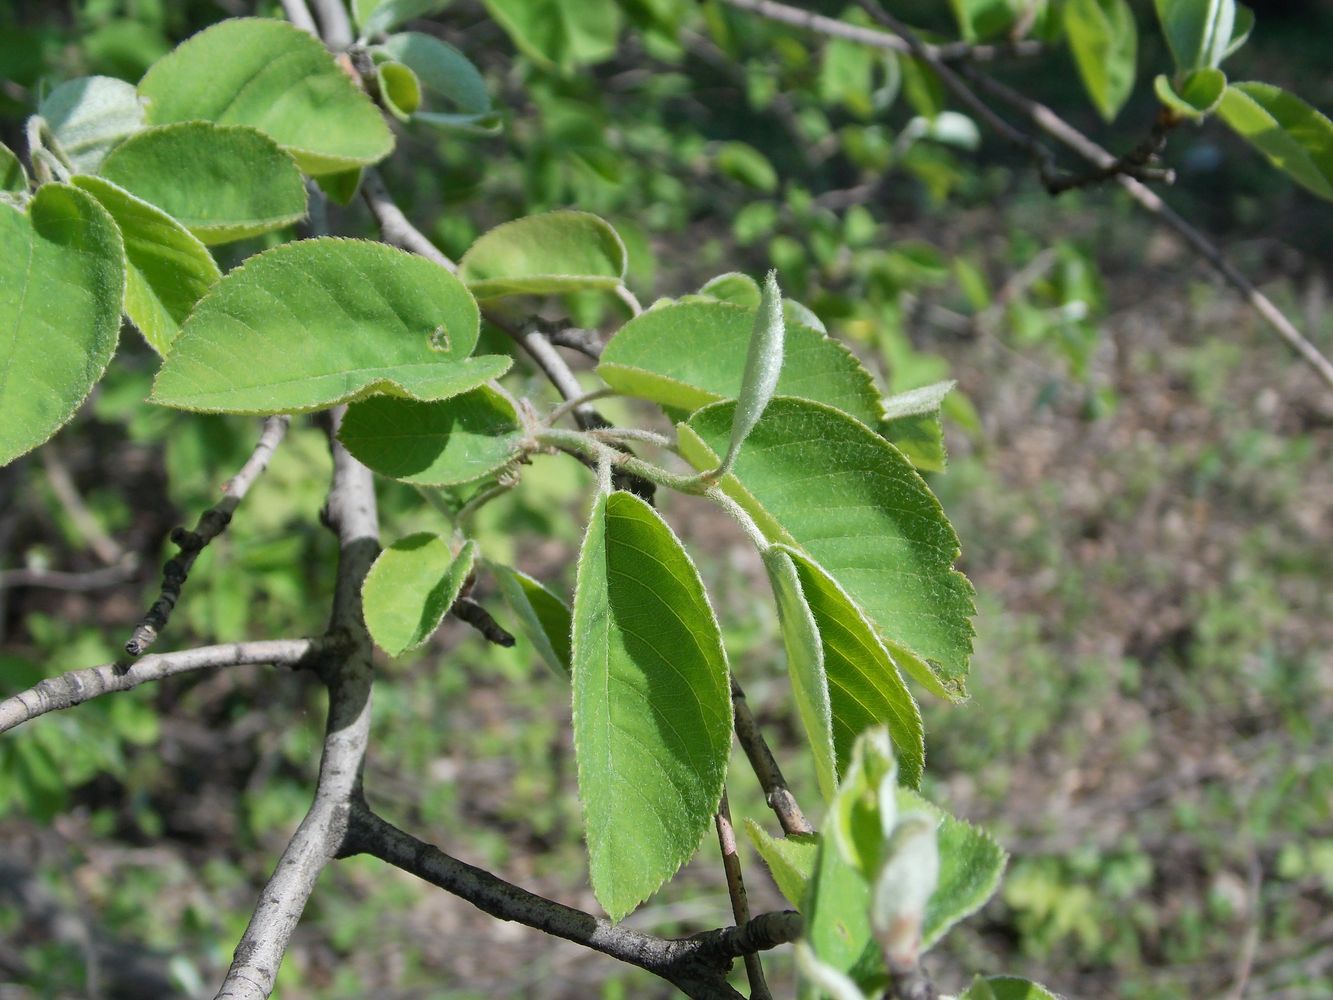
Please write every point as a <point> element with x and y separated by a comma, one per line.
<point>13,177</point>
<point>411,587</point>
<point>560,34</point>
<point>543,617</point>
<point>546,254</point>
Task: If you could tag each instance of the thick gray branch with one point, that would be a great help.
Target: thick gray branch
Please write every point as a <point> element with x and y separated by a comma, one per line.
<point>78,686</point>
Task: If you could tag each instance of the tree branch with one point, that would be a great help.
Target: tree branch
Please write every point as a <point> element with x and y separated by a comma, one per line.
<point>74,688</point>
<point>211,524</point>
<point>351,513</point>
<point>765,766</point>
<point>740,905</point>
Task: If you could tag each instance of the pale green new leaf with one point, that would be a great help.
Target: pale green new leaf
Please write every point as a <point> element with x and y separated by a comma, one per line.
<point>865,688</point>
<point>62,276</point>
<point>805,665</point>
<point>1198,32</point>
<point>652,702</point>
<point>1198,94</point>
<point>441,443</point>
<point>410,589</point>
<point>168,270</point>
<point>971,864</point>
<point>400,90</point>
<point>763,365</point>
<point>836,907</point>
<point>222,183</point>
<point>547,254</point>
<point>1295,137</point>
<point>815,478</point>
<point>89,116</point>
<point>560,33</point>
<point>543,617</point>
<point>13,178</point>
<point>734,287</point>
<point>912,424</point>
<point>272,76</point>
<point>317,322</point>
<point>374,17</point>
<point>790,860</point>
<point>827,981</point>
<point>455,93</point>
<point>685,355</point>
<point>1104,40</point>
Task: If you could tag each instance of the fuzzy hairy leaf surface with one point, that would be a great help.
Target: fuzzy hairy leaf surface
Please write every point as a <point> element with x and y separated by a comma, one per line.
<point>652,702</point>
<point>62,277</point>
<point>790,860</point>
<point>543,617</point>
<point>89,116</point>
<point>547,254</point>
<point>410,589</point>
<point>318,322</point>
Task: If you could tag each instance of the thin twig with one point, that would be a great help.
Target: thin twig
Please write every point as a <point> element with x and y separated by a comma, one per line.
<point>570,405</point>
<point>335,25</point>
<point>765,767</point>
<point>394,225</point>
<point>911,983</point>
<point>576,338</point>
<point>54,579</point>
<point>740,905</point>
<point>465,609</point>
<point>299,14</point>
<point>77,686</point>
<point>211,524</point>
<point>62,485</point>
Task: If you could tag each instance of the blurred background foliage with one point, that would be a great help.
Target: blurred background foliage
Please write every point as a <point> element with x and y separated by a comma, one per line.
<point>1139,472</point>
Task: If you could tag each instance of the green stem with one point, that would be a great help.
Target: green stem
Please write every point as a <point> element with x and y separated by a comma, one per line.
<point>741,516</point>
<point>590,448</point>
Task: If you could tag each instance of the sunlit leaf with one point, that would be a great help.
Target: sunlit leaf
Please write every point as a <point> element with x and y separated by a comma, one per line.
<point>790,860</point>
<point>455,93</point>
<point>89,116</point>
<point>410,589</point>
<point>912,424</point>
<point>1295,137</point>
<point>375,17</point>
<point>547,254</point>
<point>560,33</point>
<point>1198,94</point>
<point>1104,40</point>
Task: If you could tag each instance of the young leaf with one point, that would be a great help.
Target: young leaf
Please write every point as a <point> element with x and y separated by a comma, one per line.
<point>1195,96</point>
<point>734,287</point>
<point>652,702</point>
<point>341,187</point>
<point>318,322</point>
<point>222,183</point>
<point>1198,32</point>
<point>547,254</point>
<point>89,116</point>
<point>1006,988</point>
<point>374,17</point>
<point>62,276</point>
<point>836,907</point>
<point>440,443</point>
<point>410,589</point>
<point>543,617</point>
<point>805,665</point>
<point>400,89</point>
<point>560,34</point>
<point>971,864</point>
<point>790,860</point>
<point>685,355</point>
<point>272,76</point>
<point>865,688</point>
<point>1104,41</point>
<point>168,270</point>
<point>13,178</point>
<point>763,365</point>
<point>455,93</point>
<point>1294,137</point>
<point>912,424</point>
<point>813,477</point>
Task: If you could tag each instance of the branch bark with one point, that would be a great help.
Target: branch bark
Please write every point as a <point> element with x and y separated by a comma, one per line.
<point>765,767</point>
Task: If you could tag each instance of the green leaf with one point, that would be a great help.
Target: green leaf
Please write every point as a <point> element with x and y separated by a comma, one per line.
<point>865,688</point>
<point>763,365</point>
<point>805,665</point>
<point>971,864</point>
<point>341,187</point>
<point>13,178</point>
<point>560,34</point>
<point>272,76</point>
<point>744,163</point>
<point>1240,32</point>
<point>548,254</point>
<point>410,589</point>
<point>847,76</point>
<point>89,116</point>
<point>168,270</point>
<point>836,907</point>
<point>544,618</point>
<point>1104,41</point>
<point>815,478</point>
<point>912,424</point>
<point>222,183</point>
<point>318,322</point>
<point>790,860</point>
<point>440,443</point>
<point>688,354</point>
<point>399,89</point>
<point>1197,95</point>
<point>652,703</point>
<point>982,19</point>
<point>455,93</point>
<point>1198,32</point>
<point>374,17</point>
<point>1006,988</point>
<point>62,276</point>
<point>1294,137</point>
<point>734,287</point>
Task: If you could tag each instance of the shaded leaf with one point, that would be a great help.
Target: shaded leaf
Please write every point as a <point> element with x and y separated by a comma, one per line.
<point>222,183</point>
<point>440,443</point>
<point>734,287</point>
<point>1006,988</point>
<point>13,178</point>
<point>912,424</point>
<point>272,76</point>
<point>790,860</point>
<point>62,276</point>
<point>168,270</point>
<point>317,322</point>
<point>1198,32</point>
<point>410,589</point>
<point>652,703</point>
<point>560,33</point>
<point>543,617</point>
<point>455,93</point>
<point>744,163</point>
<point>1104,40</point>
<point>836,907</point>
<point>89,116</point>
<point>547,254</point>
<point>1195,96</point>
<point>1295,137</point>
<point>815,478</point>
<point>374,17</point>
<point>688,354</point>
